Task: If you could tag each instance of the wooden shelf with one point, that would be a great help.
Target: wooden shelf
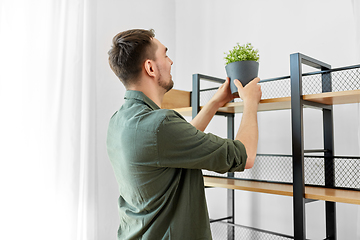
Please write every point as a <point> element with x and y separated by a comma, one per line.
<point>252,186</point>
<point>264,105</point>
<point>238,107</point>
<point>176,99</point>
<point>331,98</point>
<point>316,193</point>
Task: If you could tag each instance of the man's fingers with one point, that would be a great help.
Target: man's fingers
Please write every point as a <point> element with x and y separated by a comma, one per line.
<point>238,84</point>
<point>257,80</point>
<point>227,82</point>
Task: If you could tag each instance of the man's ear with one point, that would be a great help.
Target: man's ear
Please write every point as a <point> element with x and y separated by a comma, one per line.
<point>150,68</point>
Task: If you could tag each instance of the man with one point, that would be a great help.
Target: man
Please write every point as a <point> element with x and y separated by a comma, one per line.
<point>157,156</point>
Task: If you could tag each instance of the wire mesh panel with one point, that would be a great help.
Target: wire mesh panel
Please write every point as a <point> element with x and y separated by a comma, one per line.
<point>347,172</point>
<point>226,231</point>
<point>276,88</point>
<point>311,84</point>
<point>269,168</point>
<point>346,79</point>
<point>314,171</point>
<point>205,96</point>
<point>273,168</point>
<point>342,79</point>
<point>266,168</point>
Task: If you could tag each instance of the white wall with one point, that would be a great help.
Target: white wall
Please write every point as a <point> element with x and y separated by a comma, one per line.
<point>197,34</point>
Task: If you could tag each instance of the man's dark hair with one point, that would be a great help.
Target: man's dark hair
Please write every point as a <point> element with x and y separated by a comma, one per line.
<point>129,51</point>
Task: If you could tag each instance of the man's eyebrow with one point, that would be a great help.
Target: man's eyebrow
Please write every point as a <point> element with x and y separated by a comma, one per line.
<point>166,49</point>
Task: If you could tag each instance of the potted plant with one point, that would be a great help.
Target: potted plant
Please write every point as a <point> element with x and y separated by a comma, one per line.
<point>242,63</point>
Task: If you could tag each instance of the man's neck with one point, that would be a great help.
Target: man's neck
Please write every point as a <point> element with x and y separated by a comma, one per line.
<point>151,91</point>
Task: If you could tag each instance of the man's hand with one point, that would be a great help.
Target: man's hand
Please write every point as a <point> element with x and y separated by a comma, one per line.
<point>223,94</point>
<point>221,97</point>
<point>251,92</point>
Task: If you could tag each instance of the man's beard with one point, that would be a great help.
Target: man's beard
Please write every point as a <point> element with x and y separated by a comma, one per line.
<point>166,85</point>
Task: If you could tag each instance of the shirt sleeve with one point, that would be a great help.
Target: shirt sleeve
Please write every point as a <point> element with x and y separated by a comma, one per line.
<point>181,145</point>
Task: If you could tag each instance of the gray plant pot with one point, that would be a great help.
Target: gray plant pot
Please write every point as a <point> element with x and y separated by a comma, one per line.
<point>245,71</point>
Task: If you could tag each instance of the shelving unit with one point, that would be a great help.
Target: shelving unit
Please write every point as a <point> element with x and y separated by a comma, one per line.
<point>320,90</point>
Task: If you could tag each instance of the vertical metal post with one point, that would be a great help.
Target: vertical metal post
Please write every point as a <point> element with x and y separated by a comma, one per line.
<point>330,207</point>
<point>195,95</point>
<point>297,146</point>
<point>230,192</point>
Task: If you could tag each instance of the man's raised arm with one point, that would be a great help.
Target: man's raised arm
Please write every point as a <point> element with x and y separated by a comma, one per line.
<point>248,132</point>
<point>221,97</point>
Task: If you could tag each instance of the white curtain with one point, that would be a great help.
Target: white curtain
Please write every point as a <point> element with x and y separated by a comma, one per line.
<point>47,128</point>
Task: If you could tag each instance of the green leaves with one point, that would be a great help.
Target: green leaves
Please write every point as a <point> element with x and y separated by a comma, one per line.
<point>244,52</point>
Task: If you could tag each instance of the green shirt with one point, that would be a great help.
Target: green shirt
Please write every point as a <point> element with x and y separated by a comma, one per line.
<point>157,157</point>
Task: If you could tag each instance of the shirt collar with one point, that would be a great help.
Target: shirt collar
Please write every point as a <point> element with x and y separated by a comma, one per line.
<point>131,94</point>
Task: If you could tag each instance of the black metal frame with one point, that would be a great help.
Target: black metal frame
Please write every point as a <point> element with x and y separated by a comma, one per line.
<point>297,105</point>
